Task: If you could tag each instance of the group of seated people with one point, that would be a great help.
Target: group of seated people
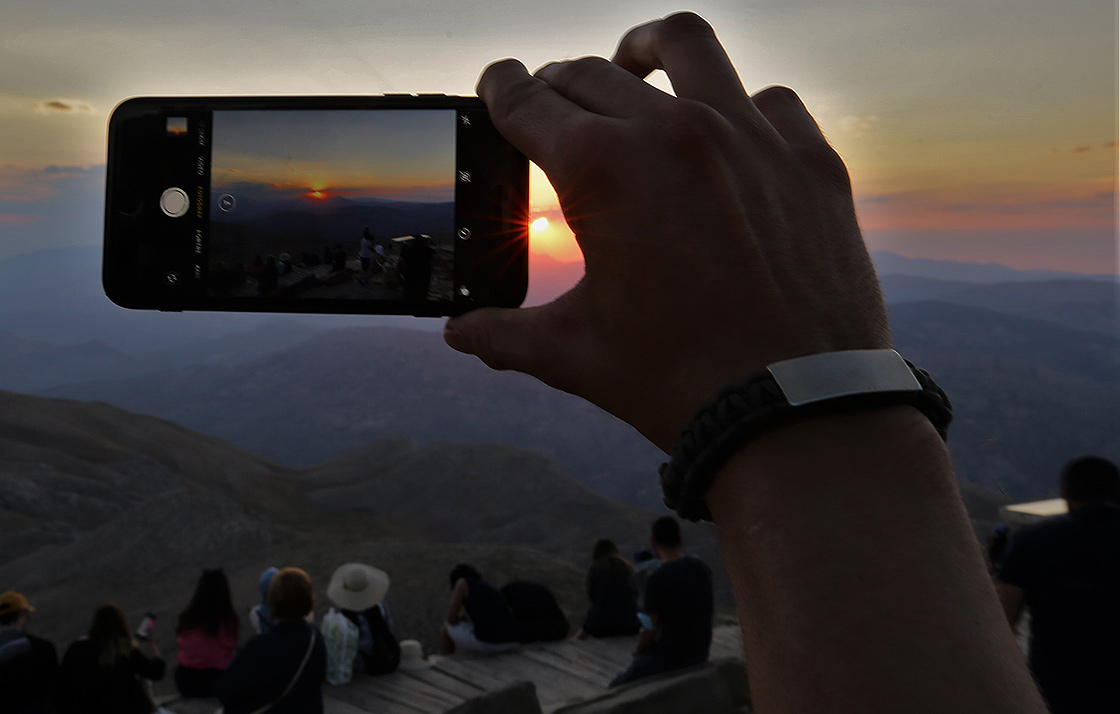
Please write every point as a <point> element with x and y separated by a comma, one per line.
<point>667,602</point>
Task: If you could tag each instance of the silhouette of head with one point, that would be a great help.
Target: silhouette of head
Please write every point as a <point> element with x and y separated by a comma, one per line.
<point>1091,479</point>
<point>462,570</point>
<point>211,606</point>
<point>604,548</point>
<point>289,595</point>
<point>666,532</point>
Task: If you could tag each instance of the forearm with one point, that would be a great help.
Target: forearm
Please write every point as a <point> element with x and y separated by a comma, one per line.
<point>859,584</point>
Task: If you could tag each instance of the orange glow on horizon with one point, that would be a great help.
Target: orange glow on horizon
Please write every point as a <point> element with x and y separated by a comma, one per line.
<point>317,194</point>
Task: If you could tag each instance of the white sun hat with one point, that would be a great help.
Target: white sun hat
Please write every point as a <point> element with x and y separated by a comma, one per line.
<point>412,657</point>
<point>357,587</point>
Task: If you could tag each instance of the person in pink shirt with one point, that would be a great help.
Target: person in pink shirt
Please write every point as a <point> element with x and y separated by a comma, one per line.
<point>206,636</point>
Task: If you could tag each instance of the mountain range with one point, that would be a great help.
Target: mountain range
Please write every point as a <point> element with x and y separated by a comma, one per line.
<point>1032,366</point>
<point>98,504</point>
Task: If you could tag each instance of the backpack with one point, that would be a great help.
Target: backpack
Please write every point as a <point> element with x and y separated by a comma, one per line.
<point>341,638</point>
<point>379,649</point>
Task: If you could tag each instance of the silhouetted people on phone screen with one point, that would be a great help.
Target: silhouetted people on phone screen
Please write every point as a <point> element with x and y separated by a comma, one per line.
<point>416,268</point>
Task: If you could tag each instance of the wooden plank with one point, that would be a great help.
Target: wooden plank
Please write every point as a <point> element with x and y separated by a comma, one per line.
<point>591,675</point>
<point>552,685</point>
<point>405,689</point>
<point>616,662</point>
<point>335,706</point>
<point>375,703</point>
<point>584,658</point>
<point>445,682</point>
<point>476,671</point>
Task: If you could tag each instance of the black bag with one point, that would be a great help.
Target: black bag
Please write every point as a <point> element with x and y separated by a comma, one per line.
<point>381,653</point>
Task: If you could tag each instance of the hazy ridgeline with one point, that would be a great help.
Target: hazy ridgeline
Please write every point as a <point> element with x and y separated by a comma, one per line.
<point>319,440</point>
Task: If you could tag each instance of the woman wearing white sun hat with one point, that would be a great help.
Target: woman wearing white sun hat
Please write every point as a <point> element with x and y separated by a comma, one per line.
<point>358,591</point>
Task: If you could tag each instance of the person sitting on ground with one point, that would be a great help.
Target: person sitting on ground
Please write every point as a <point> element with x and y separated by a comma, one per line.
<point>358,591</point>
<point>101,673</point>
<point>1066,570</point>
<point>612,587</point>
<point>539,617</point>
<point>722,247</point>
<point>259,616</point>
<point>645,562</point>
<point>283,669</point>
<point>206,636</point>
<point>680,606</point>
<point>28,664</point>
<point>478,618</point>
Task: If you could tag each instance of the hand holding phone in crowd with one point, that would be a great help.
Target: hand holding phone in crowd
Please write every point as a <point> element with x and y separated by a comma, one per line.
<point>719,237</point>
<point>718,230</point>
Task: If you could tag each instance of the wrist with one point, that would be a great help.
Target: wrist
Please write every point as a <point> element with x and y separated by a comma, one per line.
<point>842,382</point>
<point>880,454</point>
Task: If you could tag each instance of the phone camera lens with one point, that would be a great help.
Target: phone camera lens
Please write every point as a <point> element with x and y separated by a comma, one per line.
<point>464,291</point>
<point>171,278</point>
<point>465,233</point>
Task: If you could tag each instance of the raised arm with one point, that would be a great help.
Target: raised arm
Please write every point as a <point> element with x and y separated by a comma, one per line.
<point>719,236</point>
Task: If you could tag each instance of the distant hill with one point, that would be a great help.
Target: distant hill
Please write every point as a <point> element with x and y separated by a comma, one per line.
<point>887,263</point>
<point>100,504</point>
<point>347,388</point>
<point>1028,395</point>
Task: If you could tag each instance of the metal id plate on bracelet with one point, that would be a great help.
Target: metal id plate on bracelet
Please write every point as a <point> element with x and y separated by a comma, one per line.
<point>815,378</point>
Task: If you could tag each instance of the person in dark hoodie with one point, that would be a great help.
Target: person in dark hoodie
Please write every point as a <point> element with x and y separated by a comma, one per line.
<point>28,664</point>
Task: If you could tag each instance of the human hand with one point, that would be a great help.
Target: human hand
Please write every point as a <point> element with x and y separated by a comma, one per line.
<point>718,230</point>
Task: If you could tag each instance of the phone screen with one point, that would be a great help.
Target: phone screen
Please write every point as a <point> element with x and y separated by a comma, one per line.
<point>411,205</point>
<point>344,204</point>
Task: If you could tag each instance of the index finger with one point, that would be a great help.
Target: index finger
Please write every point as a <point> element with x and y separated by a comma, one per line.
<point>526,110</point>
<point>686,47</point>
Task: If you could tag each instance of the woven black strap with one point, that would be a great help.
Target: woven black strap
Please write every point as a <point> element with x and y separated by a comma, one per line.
<point>741,411</point>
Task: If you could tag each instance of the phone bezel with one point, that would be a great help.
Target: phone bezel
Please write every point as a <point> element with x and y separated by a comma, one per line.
<point>143,247</point>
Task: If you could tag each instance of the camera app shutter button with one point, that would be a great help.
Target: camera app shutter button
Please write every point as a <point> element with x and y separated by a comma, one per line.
<point>174,202</point>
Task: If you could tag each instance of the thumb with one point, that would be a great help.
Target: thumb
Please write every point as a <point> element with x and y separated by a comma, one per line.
<point>537,341</point>
<point>503,338</point>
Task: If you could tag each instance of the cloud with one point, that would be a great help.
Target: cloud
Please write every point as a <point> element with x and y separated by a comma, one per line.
<point>17,219</point>
<point>1081,149</point>
<point>19,184</point>
<point>63,106</point>
<point>858,126</point>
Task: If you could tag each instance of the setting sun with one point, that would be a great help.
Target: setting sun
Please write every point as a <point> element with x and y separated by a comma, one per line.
<point>540,224</point>
<point>316,194</point>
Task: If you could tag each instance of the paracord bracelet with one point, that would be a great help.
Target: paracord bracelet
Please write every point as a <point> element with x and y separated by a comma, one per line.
<point>742,411</point>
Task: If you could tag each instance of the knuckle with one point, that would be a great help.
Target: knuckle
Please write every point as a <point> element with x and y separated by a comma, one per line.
<point>691,125</point>
<point>776,95</point>
<point>822,160</point>
<point>686,25</point>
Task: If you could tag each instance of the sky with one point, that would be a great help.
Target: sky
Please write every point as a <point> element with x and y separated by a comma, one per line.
<point>393,154</point>
<point>975,130</point>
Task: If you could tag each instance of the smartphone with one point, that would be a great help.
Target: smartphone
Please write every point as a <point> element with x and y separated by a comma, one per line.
<point>395,204</point>
<point>145,629</point>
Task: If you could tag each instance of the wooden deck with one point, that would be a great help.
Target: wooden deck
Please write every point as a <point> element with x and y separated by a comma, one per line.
<point>563,672</point>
